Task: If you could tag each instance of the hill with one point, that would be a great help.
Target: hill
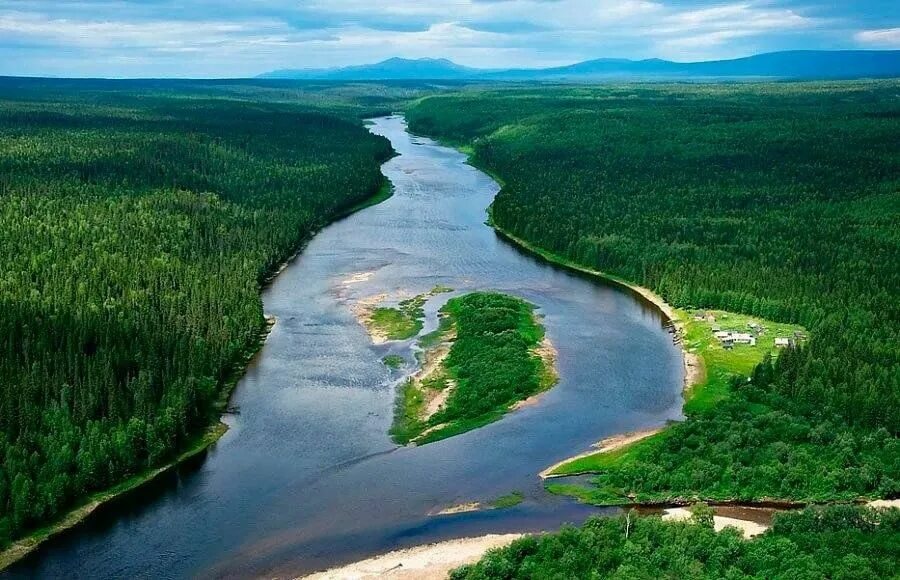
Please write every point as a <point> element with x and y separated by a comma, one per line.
<point>797,64</point>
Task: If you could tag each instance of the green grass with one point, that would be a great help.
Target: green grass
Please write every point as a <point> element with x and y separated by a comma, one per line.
<point>723,365</point>
<point>406,320</point>
<point>507,501</point>
<point>393,361</point>
<point>407,410</point>
<point>402,322</point>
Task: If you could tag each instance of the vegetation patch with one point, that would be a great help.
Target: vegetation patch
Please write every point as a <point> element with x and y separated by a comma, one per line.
<point>507,501</point>
<point>730,346</point>
<point>393,361</point>
<point>735,198</point>
<point>483,359</point>
<point>833,542</point>
<point>395,323</point>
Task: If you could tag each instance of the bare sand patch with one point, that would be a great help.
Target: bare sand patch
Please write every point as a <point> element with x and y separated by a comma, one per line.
<point>431,562</point>
<point>363,310</point>
<point>358,278</point>
<point>694,369</point>
<point>884,503</point>
<point>603,446</point>
<point>435,400</point>
<point>748,528</point>
<point>461,508</point>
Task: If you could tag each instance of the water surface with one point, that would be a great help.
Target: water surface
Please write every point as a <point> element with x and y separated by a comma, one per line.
<point>307,476</point>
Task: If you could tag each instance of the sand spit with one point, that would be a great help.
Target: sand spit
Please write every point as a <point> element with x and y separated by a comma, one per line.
<point>462,508</point>
<point>434,364</point>
<point>602,446</point>
<point>431,562</point>
<point>358,278</point>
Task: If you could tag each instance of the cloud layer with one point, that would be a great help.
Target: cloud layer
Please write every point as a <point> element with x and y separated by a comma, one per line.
<point>206,38</point>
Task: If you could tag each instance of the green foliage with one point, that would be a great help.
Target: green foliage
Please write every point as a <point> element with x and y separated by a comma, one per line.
<point>410,403</point>
<point>836,542</point>
<point>393,361</point>
<point>491,360</point>
<point>134,235</point>
<point>775,200</point>
<point>750,447</point>
<point>400,323</point>
<point>491,364</point>
<point>509,500</point>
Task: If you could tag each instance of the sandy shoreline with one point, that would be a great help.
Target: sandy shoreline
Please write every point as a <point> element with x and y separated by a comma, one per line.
<point>430,562</point>
<point>603,446</point>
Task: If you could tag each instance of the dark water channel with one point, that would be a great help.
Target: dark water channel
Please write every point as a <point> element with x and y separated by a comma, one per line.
<point>307,476</point>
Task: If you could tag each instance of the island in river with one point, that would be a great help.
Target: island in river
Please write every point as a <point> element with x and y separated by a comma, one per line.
<point>488,354</point>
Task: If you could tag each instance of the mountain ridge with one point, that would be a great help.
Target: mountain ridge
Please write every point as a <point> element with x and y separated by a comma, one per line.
<point>797,64</point>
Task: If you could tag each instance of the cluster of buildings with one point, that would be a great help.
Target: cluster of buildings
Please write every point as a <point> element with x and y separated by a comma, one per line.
<point>729,338</point>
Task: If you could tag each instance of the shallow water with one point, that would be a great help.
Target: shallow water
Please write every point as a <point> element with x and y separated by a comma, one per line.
<point>307,476</point>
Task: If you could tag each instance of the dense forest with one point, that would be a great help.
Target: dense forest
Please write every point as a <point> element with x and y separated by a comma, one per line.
<point>135,231</point>
<point>840,542</point>
<point>776,200</point>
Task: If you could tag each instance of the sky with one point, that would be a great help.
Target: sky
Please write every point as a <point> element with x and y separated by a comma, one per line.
<point>207,38</point>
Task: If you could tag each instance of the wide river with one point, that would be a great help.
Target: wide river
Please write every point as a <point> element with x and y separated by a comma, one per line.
<point>307,477</point>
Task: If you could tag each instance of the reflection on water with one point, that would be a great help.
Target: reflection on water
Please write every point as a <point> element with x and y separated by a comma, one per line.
<point>307,476</point>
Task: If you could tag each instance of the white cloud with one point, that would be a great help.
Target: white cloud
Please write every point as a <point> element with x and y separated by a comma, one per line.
<point>884,38</point>
<point>205,38</point>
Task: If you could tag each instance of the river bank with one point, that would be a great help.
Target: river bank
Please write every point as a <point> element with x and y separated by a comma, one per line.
<point>24,546</point>
<point>429,562</point>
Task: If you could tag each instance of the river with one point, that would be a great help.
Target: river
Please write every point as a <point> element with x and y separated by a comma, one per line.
<point>307,477</point>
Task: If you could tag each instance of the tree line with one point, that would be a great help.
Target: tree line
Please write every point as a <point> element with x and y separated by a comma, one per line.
<point>840,542</point>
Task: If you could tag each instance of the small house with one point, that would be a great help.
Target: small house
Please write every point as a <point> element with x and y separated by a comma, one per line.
<point>782,342</point>
<point>743,338</point>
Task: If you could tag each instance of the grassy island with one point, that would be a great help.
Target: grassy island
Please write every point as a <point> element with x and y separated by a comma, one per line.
<point>488,354</point>
<point>400,322</point>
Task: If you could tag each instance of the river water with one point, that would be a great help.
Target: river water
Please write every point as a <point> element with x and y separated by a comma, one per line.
<point>307,477</point>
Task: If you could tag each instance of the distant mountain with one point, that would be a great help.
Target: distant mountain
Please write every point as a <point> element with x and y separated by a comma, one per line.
<point>796,64</point>
<point>390,69</point>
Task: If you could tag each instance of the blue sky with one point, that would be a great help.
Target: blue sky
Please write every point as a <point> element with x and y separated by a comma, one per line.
<point>206,38</point>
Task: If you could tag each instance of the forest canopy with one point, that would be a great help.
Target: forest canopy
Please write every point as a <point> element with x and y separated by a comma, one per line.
<point>778,200</point>
<point>135,231</point>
